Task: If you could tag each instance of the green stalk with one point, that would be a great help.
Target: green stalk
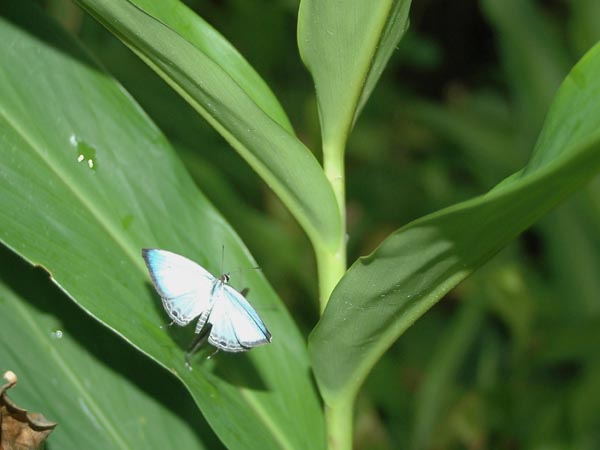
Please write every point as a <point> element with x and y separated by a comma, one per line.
<point>331,263</point>
<point>339,418</point>
<point>331,266</point>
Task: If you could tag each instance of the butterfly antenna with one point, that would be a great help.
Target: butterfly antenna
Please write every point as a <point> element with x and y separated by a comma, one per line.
<point>241,269</point>
<point>222,257</point>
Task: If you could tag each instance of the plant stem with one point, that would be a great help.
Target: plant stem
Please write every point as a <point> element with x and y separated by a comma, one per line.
<point>332,266</point>
<point>333,165</point>
<point>339,417</point>
<point>331,263</point>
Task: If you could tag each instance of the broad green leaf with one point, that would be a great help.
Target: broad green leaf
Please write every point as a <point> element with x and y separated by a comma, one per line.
<point>346,45</point>
<point>211,43</point>
<point>384,293</point>
<point>87,181</point>
<point>82,376</point>
<point>285,164</point>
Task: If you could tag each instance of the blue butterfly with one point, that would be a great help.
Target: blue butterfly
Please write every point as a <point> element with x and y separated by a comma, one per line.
<point>188,291</point>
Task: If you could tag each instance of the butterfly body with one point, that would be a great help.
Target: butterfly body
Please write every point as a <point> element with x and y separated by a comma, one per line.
<point>188,291</point>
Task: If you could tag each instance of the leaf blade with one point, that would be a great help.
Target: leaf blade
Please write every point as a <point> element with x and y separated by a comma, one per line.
<point>346,54</point>
<point>384,293</point>
<point>179,17</point>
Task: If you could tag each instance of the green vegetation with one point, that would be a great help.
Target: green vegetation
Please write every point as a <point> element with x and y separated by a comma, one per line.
<point>423,201</point>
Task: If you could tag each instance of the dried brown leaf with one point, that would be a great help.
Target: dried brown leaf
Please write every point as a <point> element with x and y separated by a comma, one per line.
<point>19,429</point>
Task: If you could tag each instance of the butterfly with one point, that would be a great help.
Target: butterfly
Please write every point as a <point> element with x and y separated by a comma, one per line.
<point>188,291</point>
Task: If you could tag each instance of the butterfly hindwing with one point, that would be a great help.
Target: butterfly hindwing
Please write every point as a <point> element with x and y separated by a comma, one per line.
<point>222,334</point>
<point>184,286</point>
<point>235,325</point>
<point>249,328</point>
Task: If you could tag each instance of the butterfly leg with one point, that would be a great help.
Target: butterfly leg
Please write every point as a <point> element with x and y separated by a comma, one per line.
<point>202,336</point>
<point>198,342</point>
<point>212,354</point>
<point>167,324</point>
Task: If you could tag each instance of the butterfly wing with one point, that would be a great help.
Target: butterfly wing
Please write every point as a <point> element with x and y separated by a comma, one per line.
<point>222,335</point>
<point>184,286</point>
<point>236,326</point>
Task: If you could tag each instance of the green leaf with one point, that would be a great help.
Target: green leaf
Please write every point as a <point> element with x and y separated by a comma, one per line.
<point>87,181</point>
<point>102,394</point>
<point>382,294</point>
<point>345,46</point>
<point>285,164</point>
<point>177,16</point>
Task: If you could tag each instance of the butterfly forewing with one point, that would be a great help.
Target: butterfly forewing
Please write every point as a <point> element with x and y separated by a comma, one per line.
<point>184,286</point>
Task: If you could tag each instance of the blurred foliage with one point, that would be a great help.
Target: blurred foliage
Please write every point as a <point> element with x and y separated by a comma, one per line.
<point>510,359</point>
